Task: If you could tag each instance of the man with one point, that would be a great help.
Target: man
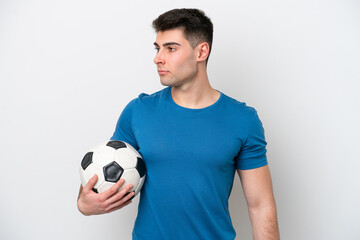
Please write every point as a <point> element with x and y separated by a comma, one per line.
<point>192,138</point>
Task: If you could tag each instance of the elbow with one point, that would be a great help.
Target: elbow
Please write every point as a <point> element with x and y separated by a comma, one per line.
<point>264,207</point>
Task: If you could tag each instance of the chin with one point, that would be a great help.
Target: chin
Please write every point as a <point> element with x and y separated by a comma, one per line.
<point>166,83</point>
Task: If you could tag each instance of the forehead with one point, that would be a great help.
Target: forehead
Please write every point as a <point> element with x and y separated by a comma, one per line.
<point>173,35</point>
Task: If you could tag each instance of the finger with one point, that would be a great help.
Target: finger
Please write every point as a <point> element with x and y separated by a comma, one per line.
<point>91,183</point>
<point>121,197</point>
<point>118,196</point>
<point>120,203</point>
<point>119,207</point>
<point>132,195</point>
<point>114,189</point>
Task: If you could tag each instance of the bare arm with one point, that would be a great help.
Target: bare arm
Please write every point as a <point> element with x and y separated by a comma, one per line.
<point>259,196</point>
<point>91,203</point>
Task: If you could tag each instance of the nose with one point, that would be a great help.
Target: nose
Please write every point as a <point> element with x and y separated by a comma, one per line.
<point>159,58</point>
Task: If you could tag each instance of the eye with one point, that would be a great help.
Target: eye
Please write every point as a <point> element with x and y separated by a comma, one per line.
<point>157,49</point>
<point>171,49</point>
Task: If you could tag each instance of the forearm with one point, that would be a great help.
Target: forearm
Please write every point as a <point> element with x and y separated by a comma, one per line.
<point>264,223</point>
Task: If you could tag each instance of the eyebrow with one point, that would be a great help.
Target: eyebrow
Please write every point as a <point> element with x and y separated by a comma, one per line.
<point>167,44</point>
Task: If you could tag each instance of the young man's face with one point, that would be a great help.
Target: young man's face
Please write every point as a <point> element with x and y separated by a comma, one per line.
<point>175,59</point>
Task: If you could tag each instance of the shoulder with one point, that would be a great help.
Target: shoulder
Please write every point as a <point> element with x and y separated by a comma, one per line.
<point>145,99</point>
<point>239,108</point>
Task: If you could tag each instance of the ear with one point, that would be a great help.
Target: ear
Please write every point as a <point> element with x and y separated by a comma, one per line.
<point>203,50</point>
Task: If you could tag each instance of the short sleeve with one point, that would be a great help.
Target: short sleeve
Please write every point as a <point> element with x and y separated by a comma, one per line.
<point>253,152</point>
<point>123,130</point>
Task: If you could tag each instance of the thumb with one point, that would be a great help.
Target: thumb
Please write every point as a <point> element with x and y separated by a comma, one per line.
<point>91,183</point>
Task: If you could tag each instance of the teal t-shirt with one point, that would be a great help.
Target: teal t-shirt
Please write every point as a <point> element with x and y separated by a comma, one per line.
<point>191,156</point>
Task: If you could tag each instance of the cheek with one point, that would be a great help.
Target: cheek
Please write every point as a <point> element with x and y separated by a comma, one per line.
<point>186,62</point>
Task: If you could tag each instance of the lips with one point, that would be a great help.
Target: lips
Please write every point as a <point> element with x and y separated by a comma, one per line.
<point>161,72</point>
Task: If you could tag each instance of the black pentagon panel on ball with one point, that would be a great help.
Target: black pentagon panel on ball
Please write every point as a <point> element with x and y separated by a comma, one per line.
<point>113,172</point>
<point>140,166</point>
<point>95,190</point>
<point>87,160</point>
<point>116,144</point>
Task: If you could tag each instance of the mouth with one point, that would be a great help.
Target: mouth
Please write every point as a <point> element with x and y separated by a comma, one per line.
<point>162,72</point>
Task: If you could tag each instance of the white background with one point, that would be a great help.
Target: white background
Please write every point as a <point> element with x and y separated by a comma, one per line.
<point>68,68</point>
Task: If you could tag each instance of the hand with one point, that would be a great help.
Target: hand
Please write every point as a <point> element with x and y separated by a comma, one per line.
<point>91,203</point>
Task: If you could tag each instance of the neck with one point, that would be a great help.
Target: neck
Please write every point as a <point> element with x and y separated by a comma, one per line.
<point>195,94</point>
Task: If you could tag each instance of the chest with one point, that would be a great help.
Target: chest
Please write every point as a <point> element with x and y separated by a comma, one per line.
<point>188,142</point>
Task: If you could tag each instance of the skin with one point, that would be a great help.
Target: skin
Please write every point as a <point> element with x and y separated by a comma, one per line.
<point>258,191</point>
<point>91,203</point>
<point>184,68</point>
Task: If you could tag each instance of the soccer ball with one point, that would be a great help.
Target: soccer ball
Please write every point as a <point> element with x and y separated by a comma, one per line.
<point>111,161</point>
